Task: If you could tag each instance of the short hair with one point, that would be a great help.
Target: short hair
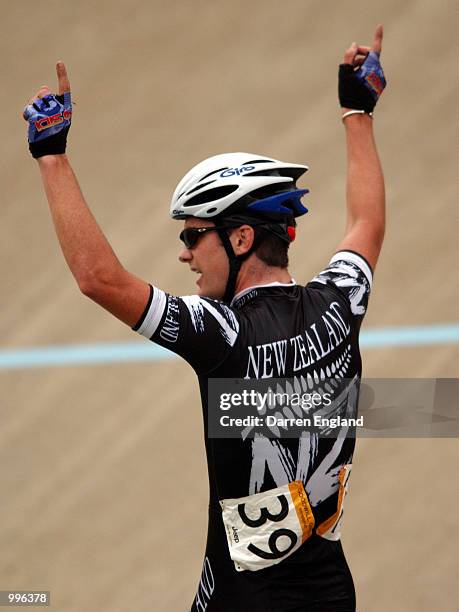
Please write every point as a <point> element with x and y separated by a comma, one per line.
<point>273,251</point>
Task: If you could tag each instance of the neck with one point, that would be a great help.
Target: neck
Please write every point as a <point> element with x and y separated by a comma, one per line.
<point>254,272</point>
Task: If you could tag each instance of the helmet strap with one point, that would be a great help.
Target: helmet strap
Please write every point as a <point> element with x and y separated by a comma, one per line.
<point>235,261</point>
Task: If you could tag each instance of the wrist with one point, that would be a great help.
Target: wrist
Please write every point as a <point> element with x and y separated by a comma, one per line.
<point>350,116</point>
<point>52,160</point>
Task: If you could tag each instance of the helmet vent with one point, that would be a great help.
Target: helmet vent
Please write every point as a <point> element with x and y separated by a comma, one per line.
<point>294,173</point>
<point>210,195</point>
<point>213,172</point>
<point>259,161</point>
<point>266,192</point>
<point>199,187</point>
<point>209,211</point>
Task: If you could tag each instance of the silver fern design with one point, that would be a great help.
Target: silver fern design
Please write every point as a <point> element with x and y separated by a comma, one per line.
<point>348,277</point>
<point>321,480</point>
<point>316,381</point>
<point>224,316</point>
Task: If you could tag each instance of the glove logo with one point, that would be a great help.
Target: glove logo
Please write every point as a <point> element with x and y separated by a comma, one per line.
<point>46,122</point>
<point>375,82</point>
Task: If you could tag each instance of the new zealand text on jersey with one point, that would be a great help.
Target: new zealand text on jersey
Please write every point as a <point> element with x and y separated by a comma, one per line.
<point>317,341</point>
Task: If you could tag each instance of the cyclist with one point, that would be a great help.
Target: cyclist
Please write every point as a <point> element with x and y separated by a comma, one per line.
<point>275,503</point>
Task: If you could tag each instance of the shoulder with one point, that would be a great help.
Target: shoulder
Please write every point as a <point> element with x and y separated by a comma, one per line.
<point>349,274</point>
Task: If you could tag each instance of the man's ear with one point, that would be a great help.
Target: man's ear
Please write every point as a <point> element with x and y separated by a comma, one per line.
<point>242,239</point>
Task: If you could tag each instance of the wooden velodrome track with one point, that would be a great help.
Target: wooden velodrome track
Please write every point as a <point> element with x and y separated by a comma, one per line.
<point>94,504</point>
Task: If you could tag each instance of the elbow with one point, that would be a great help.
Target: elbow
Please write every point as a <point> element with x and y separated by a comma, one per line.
<point>95,284</point>
<point>88,288</point>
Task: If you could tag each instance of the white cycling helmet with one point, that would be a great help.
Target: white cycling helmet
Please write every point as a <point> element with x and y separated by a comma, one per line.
<point>237,188</point>
<point>235,182</point>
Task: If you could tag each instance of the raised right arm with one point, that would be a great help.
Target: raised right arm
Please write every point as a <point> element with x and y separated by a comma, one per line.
<point>91,259</point>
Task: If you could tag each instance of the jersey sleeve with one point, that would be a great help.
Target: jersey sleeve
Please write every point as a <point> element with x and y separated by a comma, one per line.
<point>352,276</point>
<point>201,330</point>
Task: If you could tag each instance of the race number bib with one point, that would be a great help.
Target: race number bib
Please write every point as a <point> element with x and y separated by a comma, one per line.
<point>265,528</point>
<point>331,528</point>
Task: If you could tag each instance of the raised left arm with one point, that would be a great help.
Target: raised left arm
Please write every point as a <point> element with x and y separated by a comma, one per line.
<point>365,192</point>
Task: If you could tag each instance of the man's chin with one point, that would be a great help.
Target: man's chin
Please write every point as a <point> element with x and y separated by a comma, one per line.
<point>208,293</point>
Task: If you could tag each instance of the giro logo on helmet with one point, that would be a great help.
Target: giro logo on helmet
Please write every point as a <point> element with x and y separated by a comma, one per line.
<point>236,171</point>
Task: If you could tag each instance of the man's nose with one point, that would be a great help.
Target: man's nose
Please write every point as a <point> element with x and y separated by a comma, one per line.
<point>185,255</point>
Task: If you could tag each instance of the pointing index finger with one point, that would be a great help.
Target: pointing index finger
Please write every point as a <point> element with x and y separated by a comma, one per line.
<point>377,41</point>
<point>62,78</point>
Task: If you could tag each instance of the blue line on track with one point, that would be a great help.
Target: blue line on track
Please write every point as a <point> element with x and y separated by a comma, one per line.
<point>410,336</point>
<point>125,352</point>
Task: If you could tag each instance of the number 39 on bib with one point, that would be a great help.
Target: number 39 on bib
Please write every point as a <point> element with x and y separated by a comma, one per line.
<point>265,528</point>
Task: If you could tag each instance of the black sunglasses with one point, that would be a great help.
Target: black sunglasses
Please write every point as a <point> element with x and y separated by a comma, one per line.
<point>190,235</point>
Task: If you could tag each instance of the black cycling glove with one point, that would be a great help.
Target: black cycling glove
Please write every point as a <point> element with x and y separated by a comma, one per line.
<point>360,89</point>
<point>49,122</point>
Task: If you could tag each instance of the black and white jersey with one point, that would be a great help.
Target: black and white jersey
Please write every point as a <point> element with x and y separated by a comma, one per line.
<point>277,331</point>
